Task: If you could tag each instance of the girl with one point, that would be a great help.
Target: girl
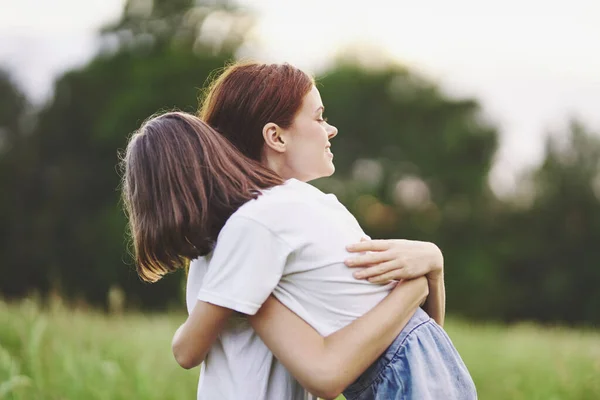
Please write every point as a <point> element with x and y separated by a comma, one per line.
<point>289,240</point>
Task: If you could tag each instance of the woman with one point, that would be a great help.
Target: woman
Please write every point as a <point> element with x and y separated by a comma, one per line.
<point>280,140</point>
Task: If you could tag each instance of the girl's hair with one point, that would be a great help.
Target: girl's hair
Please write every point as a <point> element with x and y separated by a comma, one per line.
<point>247,96</point>
<point>181,182</point>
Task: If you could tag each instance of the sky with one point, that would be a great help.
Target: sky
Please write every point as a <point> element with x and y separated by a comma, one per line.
<point>532,64</point>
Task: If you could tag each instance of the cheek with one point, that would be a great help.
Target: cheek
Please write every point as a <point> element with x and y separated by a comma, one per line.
<point>308,154</point>
<point>312,144</point>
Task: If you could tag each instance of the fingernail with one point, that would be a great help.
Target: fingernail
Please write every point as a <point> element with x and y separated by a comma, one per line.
<point>358,275</point>
<point>348,262</point>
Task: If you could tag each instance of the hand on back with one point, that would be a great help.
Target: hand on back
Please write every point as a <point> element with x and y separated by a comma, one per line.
<point>395,259</point>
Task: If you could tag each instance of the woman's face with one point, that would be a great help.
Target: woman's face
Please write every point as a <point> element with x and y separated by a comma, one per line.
<point>307,154</point>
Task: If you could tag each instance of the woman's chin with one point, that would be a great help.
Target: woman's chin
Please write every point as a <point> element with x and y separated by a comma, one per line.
<point>330,171</point>
<point>326,173</point>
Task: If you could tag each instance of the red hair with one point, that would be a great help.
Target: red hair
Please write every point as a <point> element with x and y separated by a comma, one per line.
<point>247,96</point>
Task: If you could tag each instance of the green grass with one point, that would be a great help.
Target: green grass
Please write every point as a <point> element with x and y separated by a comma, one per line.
<point>61,353</point>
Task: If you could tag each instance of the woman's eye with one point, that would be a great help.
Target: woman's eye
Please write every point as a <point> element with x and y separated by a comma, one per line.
<point>322,119</point>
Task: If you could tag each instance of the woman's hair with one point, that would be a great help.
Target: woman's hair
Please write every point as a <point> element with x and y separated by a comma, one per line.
<point>247,96</point>
<point>181,182</point>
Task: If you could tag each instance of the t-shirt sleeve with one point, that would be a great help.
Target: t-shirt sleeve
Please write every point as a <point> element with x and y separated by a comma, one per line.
<point>246,265</point>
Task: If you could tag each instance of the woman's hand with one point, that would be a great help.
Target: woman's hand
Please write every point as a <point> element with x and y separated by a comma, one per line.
<point>396,259</point>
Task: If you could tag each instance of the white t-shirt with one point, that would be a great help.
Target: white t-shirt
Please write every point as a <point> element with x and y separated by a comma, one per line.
<point>239,366</point>
<point>290,242</point>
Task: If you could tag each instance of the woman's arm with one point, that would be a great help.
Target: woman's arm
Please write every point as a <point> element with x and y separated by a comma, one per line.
<point>397,259</point>
<point>193,339</point>
<point>324,366</point>
<point>388,259</point>
<point>327,365</point>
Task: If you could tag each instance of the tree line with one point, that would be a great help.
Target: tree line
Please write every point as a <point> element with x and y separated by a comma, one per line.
<point>411,162</point>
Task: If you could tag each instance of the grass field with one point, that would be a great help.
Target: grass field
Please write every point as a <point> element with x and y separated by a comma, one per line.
<point>65,354</point>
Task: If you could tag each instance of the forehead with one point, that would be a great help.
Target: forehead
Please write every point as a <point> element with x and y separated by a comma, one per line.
<point>312,100</point>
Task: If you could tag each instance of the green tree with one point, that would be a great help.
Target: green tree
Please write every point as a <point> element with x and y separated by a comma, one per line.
<point>411,162</point>
<point>19,267</point>
<point>163,53</point>
<point>551,264</point>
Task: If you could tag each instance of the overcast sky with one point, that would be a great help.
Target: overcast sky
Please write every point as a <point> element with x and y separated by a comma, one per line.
<point>531,63</point>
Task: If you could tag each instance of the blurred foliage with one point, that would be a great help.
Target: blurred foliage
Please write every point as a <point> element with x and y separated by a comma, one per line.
<point>547,252</point>
<point>411,162</point>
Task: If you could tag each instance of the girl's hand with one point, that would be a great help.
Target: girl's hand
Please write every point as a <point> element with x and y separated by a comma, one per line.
<point>396,259</point>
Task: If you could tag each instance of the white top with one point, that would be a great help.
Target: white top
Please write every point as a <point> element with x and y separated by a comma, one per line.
<point>239,366</point>
<point>290,242</point>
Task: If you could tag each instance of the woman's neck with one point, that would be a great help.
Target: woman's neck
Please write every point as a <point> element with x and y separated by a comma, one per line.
<point>280,168</point>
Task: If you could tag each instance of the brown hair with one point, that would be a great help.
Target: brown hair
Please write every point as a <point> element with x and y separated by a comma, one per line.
<point>247,96</point>
<point>181,183</point>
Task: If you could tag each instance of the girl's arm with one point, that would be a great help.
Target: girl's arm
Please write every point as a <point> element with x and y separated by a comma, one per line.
<point>388,259</point>
<point>193,339</point>
<point>435,305</point>
<point>325,366</point>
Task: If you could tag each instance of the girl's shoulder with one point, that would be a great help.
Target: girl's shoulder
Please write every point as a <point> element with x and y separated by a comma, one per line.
<point>280,207</point>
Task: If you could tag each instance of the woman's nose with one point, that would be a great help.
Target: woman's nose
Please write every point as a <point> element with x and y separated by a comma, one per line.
<point>333,131</point>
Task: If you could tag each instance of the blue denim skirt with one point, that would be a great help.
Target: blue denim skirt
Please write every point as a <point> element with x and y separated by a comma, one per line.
<point>420,364</point>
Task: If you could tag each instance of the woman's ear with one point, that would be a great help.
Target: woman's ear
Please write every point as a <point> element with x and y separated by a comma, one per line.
<point>273,138</point>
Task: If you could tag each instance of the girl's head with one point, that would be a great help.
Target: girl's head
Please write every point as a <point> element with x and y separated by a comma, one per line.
<point>272,113</point>
<point>181,182</point>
